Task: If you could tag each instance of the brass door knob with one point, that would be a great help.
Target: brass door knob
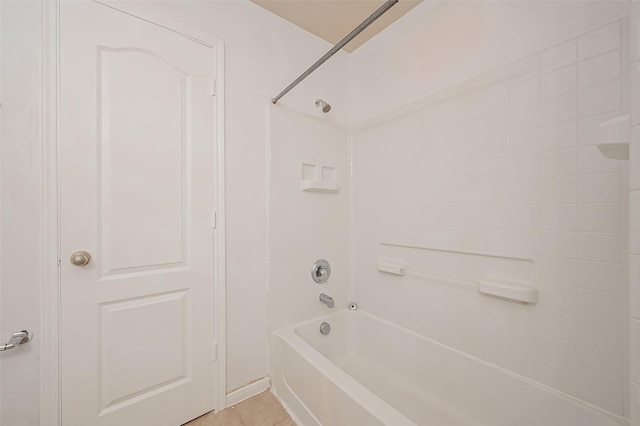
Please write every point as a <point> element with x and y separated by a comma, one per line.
<point>80,257</point>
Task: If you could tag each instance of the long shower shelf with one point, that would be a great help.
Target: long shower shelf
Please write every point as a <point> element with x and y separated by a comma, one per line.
<point>493,286</point>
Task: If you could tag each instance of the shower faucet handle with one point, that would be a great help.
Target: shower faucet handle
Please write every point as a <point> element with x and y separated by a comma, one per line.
<point>320,271</point>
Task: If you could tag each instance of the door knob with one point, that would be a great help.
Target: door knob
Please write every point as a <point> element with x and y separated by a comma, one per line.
<point>18,338</point>
<point>80,257</point>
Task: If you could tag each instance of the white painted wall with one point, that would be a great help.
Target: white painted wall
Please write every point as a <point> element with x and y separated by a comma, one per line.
<point>263,54</point>
<point>21,207</point>
<point>306,226</point>
<point>502,164</point>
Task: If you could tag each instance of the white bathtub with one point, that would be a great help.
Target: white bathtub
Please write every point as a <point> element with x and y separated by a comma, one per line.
<point>370,372</point>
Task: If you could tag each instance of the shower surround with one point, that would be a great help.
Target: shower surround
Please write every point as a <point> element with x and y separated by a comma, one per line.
<point>506,166</point>
<point>473,167</point>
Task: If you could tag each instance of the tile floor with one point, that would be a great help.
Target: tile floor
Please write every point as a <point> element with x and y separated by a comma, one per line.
<point>261,410</point>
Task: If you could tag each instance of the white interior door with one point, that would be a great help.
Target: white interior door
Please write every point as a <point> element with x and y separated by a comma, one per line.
<point>137,139</point>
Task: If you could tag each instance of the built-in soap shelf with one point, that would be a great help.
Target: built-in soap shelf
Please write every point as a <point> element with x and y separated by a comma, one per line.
<point>509,289</point>
<point>508,278</point>
<point>318,178</point>
<point>394,268</point>
<point>613,138</point>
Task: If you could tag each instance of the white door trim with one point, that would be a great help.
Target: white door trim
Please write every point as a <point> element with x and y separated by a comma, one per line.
<point>50,380</point>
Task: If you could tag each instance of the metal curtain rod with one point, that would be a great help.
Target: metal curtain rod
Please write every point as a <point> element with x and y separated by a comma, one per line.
<point>375,15</point>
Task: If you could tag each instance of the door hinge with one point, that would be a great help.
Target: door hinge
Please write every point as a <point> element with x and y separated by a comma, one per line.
<point>214,219</point>
<point>215,351</point>
<point>59,260</point>
<point>213,87</point>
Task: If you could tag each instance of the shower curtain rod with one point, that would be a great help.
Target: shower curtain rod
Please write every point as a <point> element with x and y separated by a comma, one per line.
<point>375,15</point>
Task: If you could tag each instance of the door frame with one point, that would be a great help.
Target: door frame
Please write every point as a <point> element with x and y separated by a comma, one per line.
<point>50,312</point>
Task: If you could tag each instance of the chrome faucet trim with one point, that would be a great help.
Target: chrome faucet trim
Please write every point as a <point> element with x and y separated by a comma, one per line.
<point>326,299</point>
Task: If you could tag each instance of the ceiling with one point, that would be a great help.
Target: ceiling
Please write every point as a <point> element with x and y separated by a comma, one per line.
<point>331,20</point>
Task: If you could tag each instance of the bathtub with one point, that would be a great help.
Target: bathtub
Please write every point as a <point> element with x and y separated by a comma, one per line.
<point>369,372</point>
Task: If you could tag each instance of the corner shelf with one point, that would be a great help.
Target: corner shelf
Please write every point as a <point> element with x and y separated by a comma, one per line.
<point>613,138</point>
<point>614,151</point>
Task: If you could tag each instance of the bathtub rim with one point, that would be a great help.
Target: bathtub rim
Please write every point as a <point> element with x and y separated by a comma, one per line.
<point>369,401</point>
<point>355,388</point>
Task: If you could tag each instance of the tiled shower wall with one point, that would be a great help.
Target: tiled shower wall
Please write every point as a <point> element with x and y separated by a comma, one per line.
<point>634,217</point>
<point>505,166</point>
<point>306,226</point>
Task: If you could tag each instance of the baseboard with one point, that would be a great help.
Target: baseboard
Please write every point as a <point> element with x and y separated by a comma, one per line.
<point>246,392</point>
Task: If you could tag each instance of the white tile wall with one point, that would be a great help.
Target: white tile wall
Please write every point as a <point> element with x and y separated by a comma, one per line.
<point>558,217</point>
<point>591,161</point>
<point>634,74</point>
<point>634,157</point>
<point>559,324</point>
<point>558,136</point>
<point>559,56</point>
<point>599,41</point>
<point>601,393</point>
<point>587,132</point>
<point>558,244</point>
<point>305,226</point>
<point>599,247</point>
<point>634,403</point>
<point>599,99</point>
<point>547,195</point>
<point>606,277</point>
<point>599,217</point>
<point>634,33</point>
<point>600,69</point>
<point>634,331</point>
<point>558,190</point>
<point>558,163</point>
<point>557,351</point>
<point>560,108</point>
<point>601,306</point>
<point>558,82</point>
<point>634,219</point>
<point>602,365</point>
<point>524,68</point>
<point>559,298</point>
<point>524,91</point>
<point>601,335</point>
<point>634,225</point>
<point>634,289</point>
<point>559,271</point>
<point>599,188</point>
